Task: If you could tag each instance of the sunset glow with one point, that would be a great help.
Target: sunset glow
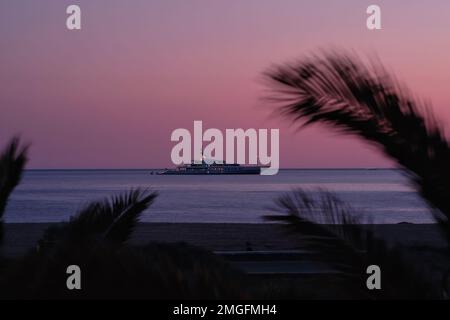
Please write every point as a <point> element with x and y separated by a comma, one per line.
<point>110,95</point>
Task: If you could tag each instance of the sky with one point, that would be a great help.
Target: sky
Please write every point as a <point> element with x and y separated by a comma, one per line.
<point>109,95</point>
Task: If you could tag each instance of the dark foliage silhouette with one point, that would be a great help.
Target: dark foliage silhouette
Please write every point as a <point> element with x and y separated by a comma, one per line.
<point>362,98</point>
<point>153,271</point>
<point>110,220</point>
<point>331,227</point>
<point>12,163</point>
<point>96,240</point>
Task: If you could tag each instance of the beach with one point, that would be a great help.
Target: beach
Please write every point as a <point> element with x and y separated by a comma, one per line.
<point>19,237</point>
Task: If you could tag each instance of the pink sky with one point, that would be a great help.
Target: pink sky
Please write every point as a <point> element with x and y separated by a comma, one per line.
<point>110,95</point>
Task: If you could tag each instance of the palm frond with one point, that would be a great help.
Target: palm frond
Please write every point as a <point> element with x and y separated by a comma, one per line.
<point>12,163</point>
<point>361,98</point>
<point>332,228</point>
<point>327,225</point>
<point>111,219</point>
<point>122,226</point>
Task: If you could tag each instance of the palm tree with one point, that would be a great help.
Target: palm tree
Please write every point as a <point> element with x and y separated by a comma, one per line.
<point>12,163</point>
<point>112,220</point>
<point>95,240</point>
<point>344,92</point>
<point>353,96</point>
<point>331,227</point>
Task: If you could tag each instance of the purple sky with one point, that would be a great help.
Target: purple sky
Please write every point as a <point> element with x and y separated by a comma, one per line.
<point>110,95</point>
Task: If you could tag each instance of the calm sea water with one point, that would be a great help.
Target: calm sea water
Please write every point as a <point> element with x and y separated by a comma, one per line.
<point>55,195</point>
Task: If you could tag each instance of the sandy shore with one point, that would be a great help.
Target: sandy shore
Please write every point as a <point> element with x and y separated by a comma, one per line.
<point>20,237</point>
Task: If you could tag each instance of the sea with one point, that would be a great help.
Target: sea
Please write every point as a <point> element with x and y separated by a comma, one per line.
<point>376,195</point>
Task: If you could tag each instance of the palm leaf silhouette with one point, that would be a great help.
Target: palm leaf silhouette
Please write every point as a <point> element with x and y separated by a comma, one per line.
<point>12,163</point>
<point>132,204</point>
<point>111,219</point>
<point>363,99</point>
<point>331,227</point>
